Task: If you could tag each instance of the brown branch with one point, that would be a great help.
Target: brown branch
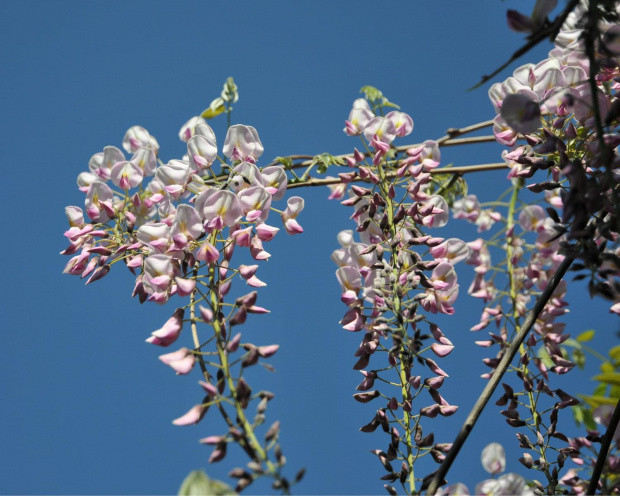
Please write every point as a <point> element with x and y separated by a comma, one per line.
<point>536,38</point>
<point>605,445</point>
<point>499,372</point>
<point>459,171</point>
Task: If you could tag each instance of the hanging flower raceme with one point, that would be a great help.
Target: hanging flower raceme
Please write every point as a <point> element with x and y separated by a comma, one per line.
<point>178,234</point>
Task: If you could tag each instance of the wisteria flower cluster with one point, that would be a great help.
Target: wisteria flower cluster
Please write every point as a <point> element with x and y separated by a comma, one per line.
<point>177,226</point>
<point>392,280</point>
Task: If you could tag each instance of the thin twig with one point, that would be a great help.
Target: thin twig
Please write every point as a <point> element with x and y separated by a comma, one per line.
<point>457,171</point>
<point>536,38</point>
<point>499,372</point>
<point>605,445</point>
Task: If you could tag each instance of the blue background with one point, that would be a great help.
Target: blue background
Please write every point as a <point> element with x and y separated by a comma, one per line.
<point>86,406</point>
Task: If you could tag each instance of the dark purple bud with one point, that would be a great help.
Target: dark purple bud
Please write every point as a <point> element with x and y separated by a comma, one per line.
<point>393,404</point>
<point>395,435</point>
<point>383,420</point>
<point>430,411</point>
<point>404,472</point>
<point>371,427</point>
<point>359,191</point>
<point>366,397</point>
<point>437,456</point>
<point>362,363</point>
<point>415,381</point>
<point>300,475</point>
<point>434,382</point>
<point>243,483</point>
<point>559,435</point>
<point>239,317</point>
<point>100,273</point>
<point>233,344</point>
<point>251,358</point>
<point>238,473</point>
<point>390,490</point>
<point>426,441</point>
<point>221,385</point>
<point>527,460</point>
<point>273,431</point>
<point>566,398</point>
<point>248,300</point>
<point>219,453</point>
<point>519,22</point>
<point>524,441</point>
<point>243,392</point>
<point>390,477</point>
<point>447,410</point>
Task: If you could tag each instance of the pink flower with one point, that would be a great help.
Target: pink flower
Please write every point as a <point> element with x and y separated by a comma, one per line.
<point>532,218</point>
<point>158,276</point>
<point>182,361</point>
<point>173,177</point>
<point>295,205</point>
<point>521,113</point>
<point>169,333</point>
<point>428,154</point>
<point>187,224</point>
<point>126,175</point>
<point>146,159</point>
<point>255,203</point>
<point>219,208</point>
<point>359,117</point>
<point>155,235</point>
<point>382,128</point>
<point>275,181</point>
<point>242,143</point>
<point>493,458</point>
<point>403,123</point>
<point>98,202</point>
<point>138,137</point>
<point>452,250</point>
<point>188,129</point>
<point>193,416</point>
<point>201,152</point>
<point>248,273</point>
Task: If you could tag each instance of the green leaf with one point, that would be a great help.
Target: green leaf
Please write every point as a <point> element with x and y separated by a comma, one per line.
<point>544,356</point>
<point>216,107</point>
<point>579,358</point>
<point>578,414</point>
<point>287,162</point>
<point>600,390</point>
<point>586,336</point>
<point>197,483</point>
<point>371,93</point>
<point>596,401</point>
<point>614,353</point>
<point>588,419</point>
<point>324,160</point>
<point>608,378</point>
<point>607,368</point>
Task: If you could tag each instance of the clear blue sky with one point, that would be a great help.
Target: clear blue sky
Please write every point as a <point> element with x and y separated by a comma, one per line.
<point>86,405</point>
